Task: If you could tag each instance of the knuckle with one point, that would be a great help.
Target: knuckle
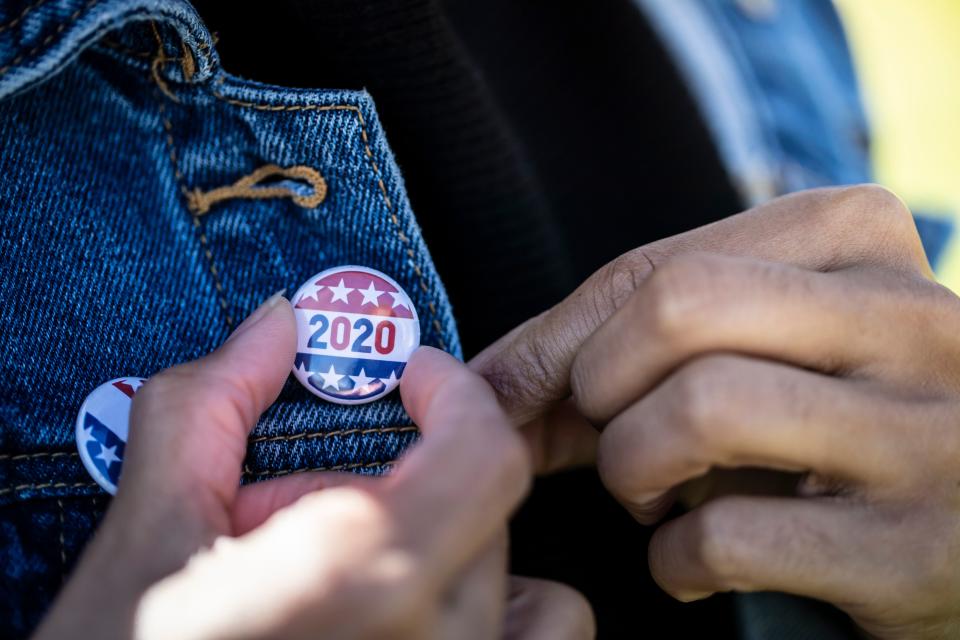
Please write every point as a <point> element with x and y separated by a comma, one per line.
<point>700,396</point>
<point>616,463</point>
<point>877,198</point>
<point>676,291</point>
<point>878,214</point>
<point>932,303</point>
<point>719,541</point>
<point>528,375</point>
<point>583,375</point>
<point>619,279</point>
<point>889,212</point>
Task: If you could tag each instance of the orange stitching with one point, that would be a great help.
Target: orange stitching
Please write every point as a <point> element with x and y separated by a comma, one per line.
<point>48,485</point>
<point>27,456</point>
<point>285,107</point>
<point>168,127</point>
<point>330,434</point>
<point>23,14</point>
<point>70,20</point>
<point>159,60</point>
<point>376,171</point>
<point>187,63</point>
<point>246,187</point>
<point>157,78</point>
<point>339,467</point>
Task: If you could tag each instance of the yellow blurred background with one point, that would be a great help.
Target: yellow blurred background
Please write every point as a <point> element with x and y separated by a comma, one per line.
<point>908,55</point>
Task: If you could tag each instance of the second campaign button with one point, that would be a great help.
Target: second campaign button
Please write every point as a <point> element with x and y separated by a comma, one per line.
<point>356,330</point>
<point>102,426</point>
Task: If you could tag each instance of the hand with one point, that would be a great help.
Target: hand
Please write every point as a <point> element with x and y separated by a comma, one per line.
<point>184,552</point>
<point>806,335</point>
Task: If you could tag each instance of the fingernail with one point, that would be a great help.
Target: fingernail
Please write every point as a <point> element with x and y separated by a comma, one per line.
<point>261,312</point>
<point>691,596</point>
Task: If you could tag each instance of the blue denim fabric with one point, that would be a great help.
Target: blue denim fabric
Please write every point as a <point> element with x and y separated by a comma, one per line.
<point>105,272</point>
<point>936,230</point>
<point>776,85</point>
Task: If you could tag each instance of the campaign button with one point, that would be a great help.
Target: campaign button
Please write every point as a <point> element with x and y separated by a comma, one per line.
<point>356,330</point>
<point>102,426</point>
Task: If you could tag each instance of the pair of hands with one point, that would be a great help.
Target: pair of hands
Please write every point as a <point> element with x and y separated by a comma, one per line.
<point>185,552</point>
<point>806,336</point>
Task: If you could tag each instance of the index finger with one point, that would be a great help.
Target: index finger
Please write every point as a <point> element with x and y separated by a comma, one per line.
<point>457,487</point>
<point>819,230</point>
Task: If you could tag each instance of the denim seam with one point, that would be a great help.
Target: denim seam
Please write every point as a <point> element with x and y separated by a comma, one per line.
<point>13,457</point>
<point>60,29</point>
<point>246,470</point>
<point>159,60</point>
<point>23,14</point>
<point>330,434</point>
<point>340,467</point>
<point>48,485</point>
<point>198,226</point>
<point>10,457</point>
<point>376,173</point>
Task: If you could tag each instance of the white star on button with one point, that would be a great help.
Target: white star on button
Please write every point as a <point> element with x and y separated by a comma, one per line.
<point>311,291</point>
<point>400,299</point>
<point>84,436</point>
<point>331,378</point>
<point>361,380</point>
<point>371,295</point>
<point>108,455</point>
<point>341,292</point>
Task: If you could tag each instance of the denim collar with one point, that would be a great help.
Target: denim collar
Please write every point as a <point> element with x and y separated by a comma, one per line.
<point>38,38</point>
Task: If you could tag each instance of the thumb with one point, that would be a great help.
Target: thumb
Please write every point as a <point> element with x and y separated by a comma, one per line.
<point>530,367</point>
<point>189,424</point>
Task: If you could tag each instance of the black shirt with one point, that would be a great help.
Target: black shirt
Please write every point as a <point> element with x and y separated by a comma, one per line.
<point>538,140</point>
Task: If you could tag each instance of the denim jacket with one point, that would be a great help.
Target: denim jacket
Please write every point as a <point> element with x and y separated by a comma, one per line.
<point>776,85</point>
<point>118,126</point>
